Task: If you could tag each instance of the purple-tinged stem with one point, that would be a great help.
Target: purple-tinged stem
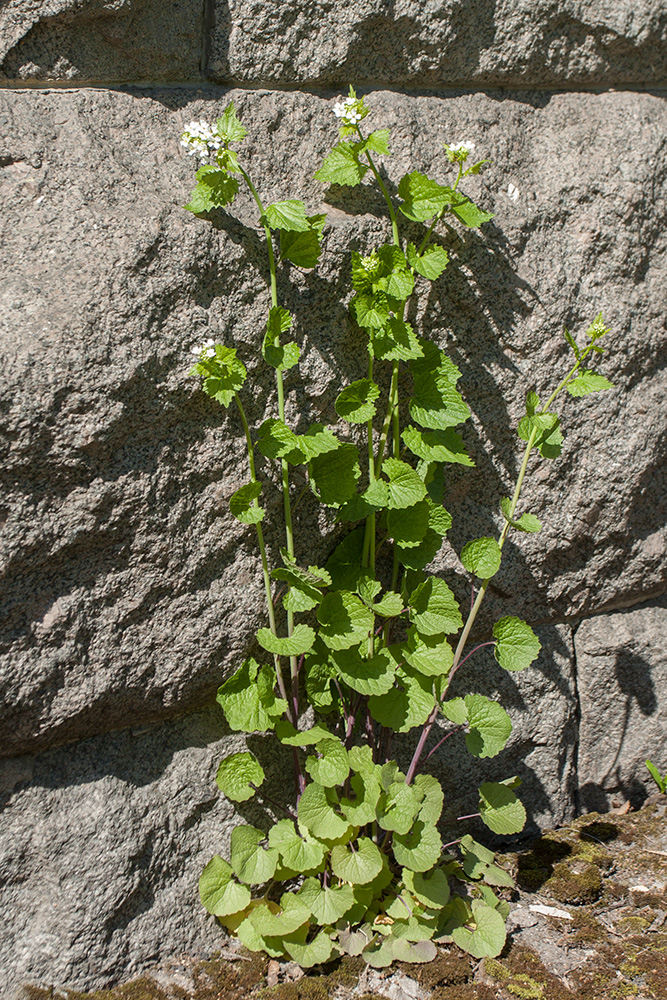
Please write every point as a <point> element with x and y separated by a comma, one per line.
<point>469,816</point>
<point>440,742</point>
<point>461,662</point>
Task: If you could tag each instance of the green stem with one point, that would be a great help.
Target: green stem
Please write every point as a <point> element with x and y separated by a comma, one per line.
<point>392,212</point>
<point>262,552</point>
<point>289,534</point>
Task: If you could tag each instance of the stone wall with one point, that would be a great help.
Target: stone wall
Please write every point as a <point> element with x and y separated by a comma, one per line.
<point>127,590</point>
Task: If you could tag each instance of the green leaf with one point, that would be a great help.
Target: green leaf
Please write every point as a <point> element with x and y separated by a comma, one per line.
<point>356,403</point>
<point>437,445</point>
<point>398,284</point>
<point>305,585</point>
<point>390,605</point>
<point>335,474</point>
<point>490,726</point>
<point>342,166</point>
<point>422,197</point>
<point>235,774</point>
<point>478,864</point>
<point>293,914</point>
<point>657,777</point>
<point>287,215</point>
<point>366,790</point>
<point>251,863</point>
<point>292,737</point>
<point>317,814</point>
<point>303,248</point>
<point>299,642</point>
<point>344,563</point>
<point>467,212</point>
<point>434,609</point>
<point>416,952</point>
<point>219,892</point>
<point>409,703</point>
<point>436,403</point>
<point>242,506</point>
<point>379,953</point>
<point>214,189</point>
<point>517,644</point>
<point>396,341</point>
<point>344,620</point>
<point>359,864</point>
<point>482,557</point>
<point>378,141</point>
<point>279,357</point>
<point>371,310</point>
<point>277,440</point>
<point>228,126</point>
<point>253,940</point>
<point>527,522</point>
<point>433,800</point>
<point>223,375</point>
<point>486,939</point>
<point>318,440</point>
<point>320,673</point>
<point>302,854</point>
<point>366,676</point>
<point>308,953</point>
<point>500,809</point>
<point>405,486</point>
<point>430,888</point>
<point>408,525</point>
<point>248,699</point>
<point>430,655</point>
<point>417,557</point>
<point>398,807</point>
<point>326,905</point>
<point>331,767</point>
<point>431,263</point>
<point>587,382</point>
<point>361,759</point>
<point>419,849</point>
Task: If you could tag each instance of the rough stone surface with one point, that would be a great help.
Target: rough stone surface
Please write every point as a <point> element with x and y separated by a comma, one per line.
<point>128,589</point>
<point>622,684</point>
<point>540,43</point>
<point>103,841</point>
<point>101,40</point>
<point>102,845</point>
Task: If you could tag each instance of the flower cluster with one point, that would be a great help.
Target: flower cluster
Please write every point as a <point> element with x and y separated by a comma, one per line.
<point>348,110</point>
<point>200,139</point>
<point>205,350</point>
<point>459,152</point>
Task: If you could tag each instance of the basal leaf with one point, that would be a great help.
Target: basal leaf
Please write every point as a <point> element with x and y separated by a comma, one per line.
<point>326,905</point>
<point>433,798</point>
<point>344,563</point>
<point>251,863</point>
<point>317,814</point>
<point>486,937</point>
<point>419,849</point>
<point>366,676</point>
<point>302,854</point>
<point>398,807</point>
<point>291,737</point>
<point>358,864</point>
<point>490,726</point>
<point>330,767</point>
<point>416,952</point>
<point>430,655</point>
<point>408,525</point>
<point>218,890</point>
<point>430,888</point>
<point>293,914</point>
<point>517,645</point>
<point>235,775</point>
<point>500,809</point>
<point>242,504</point>
<point>408,704</point>
<point>482,557</point>
<point>308,953</point>
<point>356,403</point>
<point>361,809</point>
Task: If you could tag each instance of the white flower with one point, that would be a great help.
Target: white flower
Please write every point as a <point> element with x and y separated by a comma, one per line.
<point>200,139</point>
<point>205,350</point>
<point>460,147</point>
<point>512,192</point>
<point>347,110</point>
<point>458,152</point>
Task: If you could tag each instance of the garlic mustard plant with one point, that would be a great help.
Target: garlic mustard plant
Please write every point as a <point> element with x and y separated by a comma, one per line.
<point>360,649</point>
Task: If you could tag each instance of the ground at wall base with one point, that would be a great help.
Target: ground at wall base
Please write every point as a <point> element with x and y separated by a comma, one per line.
<point>588,921</point>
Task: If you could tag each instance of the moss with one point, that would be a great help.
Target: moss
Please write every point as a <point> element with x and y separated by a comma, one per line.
<point>234,980</point>
<point>465,992</point>
<point>632,925</point>
<point>587,929</point>
<point>448,968</point>
<point>575,882</point>
<point>519,984</point>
